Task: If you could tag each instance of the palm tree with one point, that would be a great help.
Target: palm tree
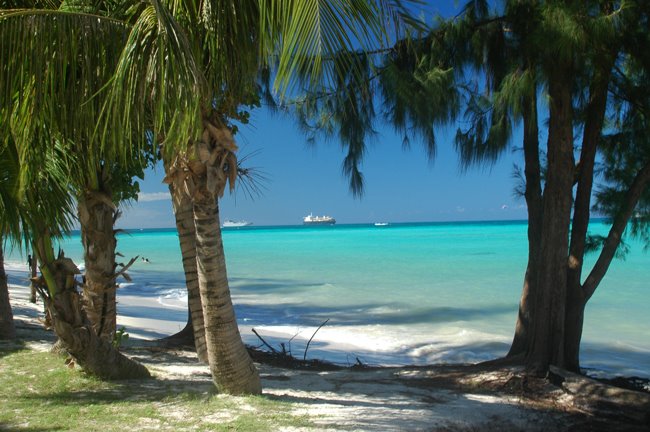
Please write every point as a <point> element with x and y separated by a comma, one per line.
<point>99,180</point>
<point>56,115</point>
<point>37,212</point>
<point>226,41</point>
<point>184,215</point>
<point>8,189</point>
<point>181,77</point>
<point>7,328</point>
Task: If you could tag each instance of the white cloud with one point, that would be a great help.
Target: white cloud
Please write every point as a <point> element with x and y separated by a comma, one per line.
<point>153,196</point>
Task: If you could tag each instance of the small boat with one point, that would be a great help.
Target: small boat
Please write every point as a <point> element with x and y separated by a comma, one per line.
<point>381,224</point>
<point>228,223</point>
<point>318,220</point>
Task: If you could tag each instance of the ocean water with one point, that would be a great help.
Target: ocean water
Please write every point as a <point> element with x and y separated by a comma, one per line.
<point>401,294</point>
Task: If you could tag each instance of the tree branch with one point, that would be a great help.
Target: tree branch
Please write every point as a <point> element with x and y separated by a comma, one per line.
<point>632,196</point>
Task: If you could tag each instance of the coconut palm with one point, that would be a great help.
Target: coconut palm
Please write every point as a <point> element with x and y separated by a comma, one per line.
<point>231,41</point>
<point>100,182</point>
<point>37,212</point>
<point>183,74</point>
<point>8,220</point>
<point>184,216</point>
<point>59,76</point>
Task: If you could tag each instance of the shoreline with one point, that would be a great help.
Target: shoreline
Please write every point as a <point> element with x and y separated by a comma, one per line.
<point>149,316</point>
<point>435,398</point>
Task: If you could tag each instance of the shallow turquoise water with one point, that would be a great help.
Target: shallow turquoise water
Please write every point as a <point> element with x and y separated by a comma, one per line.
<point>406,293</point>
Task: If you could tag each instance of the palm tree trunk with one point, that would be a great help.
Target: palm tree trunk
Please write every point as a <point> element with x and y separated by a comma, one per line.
<point>7,328</point>
<point>204,175</point>
<point>95,355</point>
<point>184,214</point>
<point>181,339</point>
<point>97,217</point>
<point>231,366</point>
<point>33,264</point>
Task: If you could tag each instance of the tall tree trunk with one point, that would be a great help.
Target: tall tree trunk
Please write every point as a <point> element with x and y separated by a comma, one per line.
<point>183,338</point>
<point>97,215</point>
<point>576,300</point>
<point>205,178</point>
<point>184,214</point>
<point>547,339</point>
<point>231,366</point>
<point>33,264</point>
<point>7,328</point>
<point>575,314</point>
<point>533,196</point>
<point>95,355</point>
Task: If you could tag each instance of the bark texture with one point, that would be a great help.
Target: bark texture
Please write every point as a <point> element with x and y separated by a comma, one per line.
<point>95,355</point>
<point>231,366</point>
<point>533,196</point>
<point>576,298</point>
<point>97,215</point>
<point>7,328</point>
<point>33,264</point>
<point>184,214</point>
<point>182,339</point>
<point>547,339</point>
<point>204,176</point>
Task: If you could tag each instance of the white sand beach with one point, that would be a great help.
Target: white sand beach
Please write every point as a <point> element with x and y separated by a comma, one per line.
<point>372,399</point>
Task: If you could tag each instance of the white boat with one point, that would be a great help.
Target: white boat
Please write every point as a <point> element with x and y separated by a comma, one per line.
<point>228,223</point>
<point>381,224</point>
<point>318,220</point>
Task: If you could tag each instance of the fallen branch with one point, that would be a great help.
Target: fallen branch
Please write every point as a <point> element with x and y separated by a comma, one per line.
<point>264,342</point>
<point>304,357</point>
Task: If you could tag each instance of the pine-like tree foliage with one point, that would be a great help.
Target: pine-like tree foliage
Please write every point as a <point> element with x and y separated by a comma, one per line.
<point>625,154</point>
<point>625,146</point>
<point>418,91</point>
<point>345,114</point>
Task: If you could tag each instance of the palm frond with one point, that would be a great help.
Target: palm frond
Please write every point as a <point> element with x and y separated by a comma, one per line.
<point>10,221</point>
<point>251,180</point>
<point>156,71</point>
<point>54,65</point>
<point>305,33</point>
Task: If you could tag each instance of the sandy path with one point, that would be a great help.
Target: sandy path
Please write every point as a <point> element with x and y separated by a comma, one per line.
<point>448,398</point>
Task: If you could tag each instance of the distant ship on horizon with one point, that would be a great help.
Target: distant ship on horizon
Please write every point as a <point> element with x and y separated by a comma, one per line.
<point>318,220</point>
<point>229,223</point>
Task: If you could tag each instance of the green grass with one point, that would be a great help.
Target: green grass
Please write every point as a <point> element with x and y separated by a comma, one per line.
<point>39,393</point>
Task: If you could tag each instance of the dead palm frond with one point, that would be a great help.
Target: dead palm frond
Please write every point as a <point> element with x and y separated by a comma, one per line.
<point>251,180</point>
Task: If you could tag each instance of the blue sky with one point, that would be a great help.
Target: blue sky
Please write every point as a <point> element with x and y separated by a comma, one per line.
<point>400,185</point>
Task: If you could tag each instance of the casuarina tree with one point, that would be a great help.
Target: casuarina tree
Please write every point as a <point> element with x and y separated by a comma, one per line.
<point>572,75</point>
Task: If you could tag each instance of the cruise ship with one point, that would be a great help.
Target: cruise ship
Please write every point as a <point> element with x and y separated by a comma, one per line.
<point>228,223</point>
<point>318,220</point>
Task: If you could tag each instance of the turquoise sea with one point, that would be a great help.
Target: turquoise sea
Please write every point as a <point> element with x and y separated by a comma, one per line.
<point>402,294</point>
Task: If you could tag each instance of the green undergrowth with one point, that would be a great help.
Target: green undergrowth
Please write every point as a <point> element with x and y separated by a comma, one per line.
<point>39,393</point>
